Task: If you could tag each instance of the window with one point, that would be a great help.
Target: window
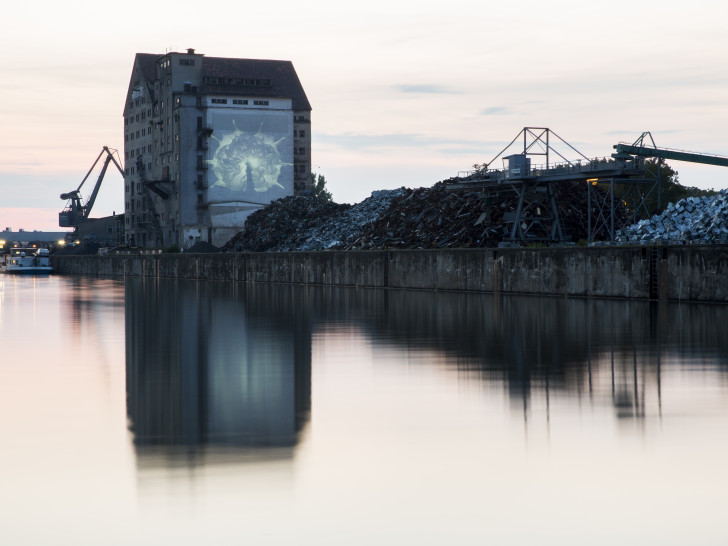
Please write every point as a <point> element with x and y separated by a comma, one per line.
<point>219,101</point>
<point>187,62</point>
<point>301,134</point>
<point>261,102</point>
<point>240,101</point>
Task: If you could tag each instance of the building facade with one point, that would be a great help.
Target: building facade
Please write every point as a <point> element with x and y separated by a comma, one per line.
<point>207,141</point>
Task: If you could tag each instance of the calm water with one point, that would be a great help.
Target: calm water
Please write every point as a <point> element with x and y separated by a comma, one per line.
<point>204,413</point>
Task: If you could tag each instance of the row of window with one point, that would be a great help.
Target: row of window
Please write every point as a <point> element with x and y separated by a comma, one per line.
<point>138,117</point>
<point>133,135</point>
<point>136,102</point>
<point>241,102</point>
<point>238,81</point>
<point>131,154</point>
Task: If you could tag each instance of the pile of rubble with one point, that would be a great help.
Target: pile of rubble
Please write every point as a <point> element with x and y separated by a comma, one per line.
<point>427,218</point>
<point>309,223</point>
<point>690,220</point>
<point>284,224</point>
<point>431,217</point>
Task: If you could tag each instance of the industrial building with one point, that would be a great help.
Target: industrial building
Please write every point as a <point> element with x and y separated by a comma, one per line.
<point>207,141</point>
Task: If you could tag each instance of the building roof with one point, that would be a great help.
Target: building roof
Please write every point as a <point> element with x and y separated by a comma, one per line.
<point>284,82</point>
<point>146,64</point>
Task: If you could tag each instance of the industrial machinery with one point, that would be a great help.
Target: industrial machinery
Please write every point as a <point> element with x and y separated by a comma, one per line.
<point>621,179</point>
<point>76,212</point>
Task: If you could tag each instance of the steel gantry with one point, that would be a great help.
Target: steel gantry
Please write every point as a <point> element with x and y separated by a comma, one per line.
<point>537,217</point>
<point>618,183</point>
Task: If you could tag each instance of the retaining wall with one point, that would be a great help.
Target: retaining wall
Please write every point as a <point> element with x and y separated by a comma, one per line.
<point>694,273</point>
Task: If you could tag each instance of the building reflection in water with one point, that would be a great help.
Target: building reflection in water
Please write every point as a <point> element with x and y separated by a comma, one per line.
<point>215,369</point>
<point>222,365</point>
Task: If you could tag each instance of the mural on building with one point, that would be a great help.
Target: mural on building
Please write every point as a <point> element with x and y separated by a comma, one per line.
<point>251,156</point>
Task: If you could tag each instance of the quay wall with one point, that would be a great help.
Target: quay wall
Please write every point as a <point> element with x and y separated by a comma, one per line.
<point>684,273</point>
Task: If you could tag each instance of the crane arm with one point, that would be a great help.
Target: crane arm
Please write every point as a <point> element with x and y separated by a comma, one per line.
<point>664,153</point>
<point>76,212</point>
<point>95,192</point>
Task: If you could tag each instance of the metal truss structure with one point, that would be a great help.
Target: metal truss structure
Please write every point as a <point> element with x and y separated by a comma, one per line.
<point>614,185</point>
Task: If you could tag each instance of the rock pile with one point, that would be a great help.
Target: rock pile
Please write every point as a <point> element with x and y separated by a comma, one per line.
<point>285,224</point>
<point>427,218</point>
<point>431,217</point>
<point>690,220</point>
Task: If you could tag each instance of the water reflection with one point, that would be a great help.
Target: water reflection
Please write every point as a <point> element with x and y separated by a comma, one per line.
<point>434,417</point>
<point>604,349</point>
<point>609,351</point>
<point>215,364</point>
<point>215,369</point>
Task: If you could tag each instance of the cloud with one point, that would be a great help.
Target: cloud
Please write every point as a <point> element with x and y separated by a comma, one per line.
<point>494,111</point>
<point>425,88</point>
<point>367,143</point>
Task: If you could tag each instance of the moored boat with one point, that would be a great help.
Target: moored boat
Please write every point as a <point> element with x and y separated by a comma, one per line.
<point>30,261</point>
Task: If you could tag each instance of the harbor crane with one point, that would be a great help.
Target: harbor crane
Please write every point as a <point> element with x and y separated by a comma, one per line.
<point>76,212</point>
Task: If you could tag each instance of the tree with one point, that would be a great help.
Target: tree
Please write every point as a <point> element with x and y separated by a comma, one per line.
<point>671,191</point>
<point>318,187</point>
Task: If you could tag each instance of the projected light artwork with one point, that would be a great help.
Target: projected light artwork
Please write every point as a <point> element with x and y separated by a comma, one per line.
<point>245,161</point>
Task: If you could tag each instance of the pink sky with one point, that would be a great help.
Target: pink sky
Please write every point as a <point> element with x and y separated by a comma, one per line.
<point>400,96</point>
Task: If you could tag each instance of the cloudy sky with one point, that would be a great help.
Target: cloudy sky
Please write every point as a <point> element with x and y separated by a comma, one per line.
<point>403,93</point>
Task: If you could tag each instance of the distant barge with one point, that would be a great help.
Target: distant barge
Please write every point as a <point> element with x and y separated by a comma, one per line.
<point>27,261</point>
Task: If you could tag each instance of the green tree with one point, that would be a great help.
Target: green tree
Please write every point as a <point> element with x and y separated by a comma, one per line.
<point>318,187</point>
<point>671,191</point>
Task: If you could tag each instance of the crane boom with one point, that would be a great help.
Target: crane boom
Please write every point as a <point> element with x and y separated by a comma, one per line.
<point>666,153</point>
<point>76,212</point>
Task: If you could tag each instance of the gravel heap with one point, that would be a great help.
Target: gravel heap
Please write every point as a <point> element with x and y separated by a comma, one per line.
<point>284,224</point>
<point>432,217</point>
<point>344,227</point>
<point>427,218</point>
<point>690,220</point>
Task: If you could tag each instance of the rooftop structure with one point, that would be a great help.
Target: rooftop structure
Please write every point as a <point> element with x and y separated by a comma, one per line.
<point>207,141</point>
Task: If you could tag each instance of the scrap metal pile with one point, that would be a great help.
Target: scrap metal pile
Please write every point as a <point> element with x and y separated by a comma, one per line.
<point>403,218</point>
<point>690,220</point>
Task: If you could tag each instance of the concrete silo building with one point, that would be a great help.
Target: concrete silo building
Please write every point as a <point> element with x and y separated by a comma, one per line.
<point>207,141</point>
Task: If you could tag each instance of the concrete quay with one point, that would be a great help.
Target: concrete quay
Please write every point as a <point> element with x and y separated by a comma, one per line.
<point>678,273</point>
